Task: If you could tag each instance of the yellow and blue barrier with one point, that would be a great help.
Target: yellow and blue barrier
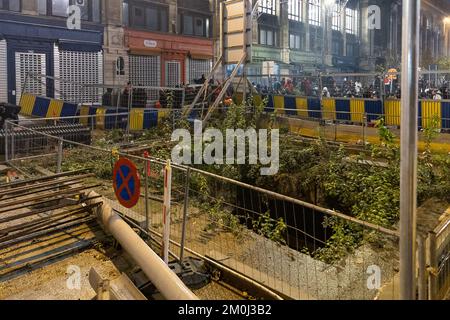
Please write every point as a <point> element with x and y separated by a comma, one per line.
<point>291,105</point>
<point>329,108</point>
<point>108,118</point>
<point>445,113</point>
<point>373,109</point>
<point>427,110</point>
<point>32,105</point>
<point>351,110</point>
<point>392,112</point>
<point>105,118</point>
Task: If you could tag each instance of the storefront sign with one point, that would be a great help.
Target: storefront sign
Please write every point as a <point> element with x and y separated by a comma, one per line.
<point>150,43</point>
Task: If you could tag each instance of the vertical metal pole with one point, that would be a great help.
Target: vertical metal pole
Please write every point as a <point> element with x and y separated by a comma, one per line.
<point>364,123</point>
<point>433,266</point>
<point>185,213</point>
<point>409,137</point>
<point>130,97</point>
<point>60,156</point>
<point>335,131</point>
<point>422,256</point>
<point>6,141</point>
<point>147,207</point>
<point>13,143</point>
<point>166,211</point>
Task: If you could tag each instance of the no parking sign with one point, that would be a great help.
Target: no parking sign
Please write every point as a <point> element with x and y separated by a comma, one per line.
<point>126,183</point>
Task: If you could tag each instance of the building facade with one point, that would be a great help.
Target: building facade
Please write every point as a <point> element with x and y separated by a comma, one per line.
<point>175,42</point>
<point>163,43</point>
<point>34,38</point>
<point>151,43</point>
<point>341,36</point>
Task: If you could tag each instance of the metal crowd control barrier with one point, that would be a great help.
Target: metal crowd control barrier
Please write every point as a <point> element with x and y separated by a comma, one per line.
<point>439,263</point>
<point>352,110</point>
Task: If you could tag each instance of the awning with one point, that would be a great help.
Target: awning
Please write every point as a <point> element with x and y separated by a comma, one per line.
<point>83,46</point>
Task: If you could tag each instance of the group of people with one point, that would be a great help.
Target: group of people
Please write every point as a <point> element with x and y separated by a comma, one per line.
<point>347,88</point>
<point>299,86</point>
<point>293,86</point>
<point>310,86</point>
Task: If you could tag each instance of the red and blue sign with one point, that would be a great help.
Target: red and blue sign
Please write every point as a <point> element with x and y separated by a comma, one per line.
<point>126,183</point>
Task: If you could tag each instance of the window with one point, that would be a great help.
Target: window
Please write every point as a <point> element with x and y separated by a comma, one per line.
<point>314,12</point>
<point>267,36</point>
<point>59,7</point>
<point>146,71</point>
<point>316,39</point>
<point>126,14</point>
<point>137,16</point>
<point>350,50</point>
<point>336,47</point>
<point>296,41</point>
<point>11,5</point>
<point>267,6</point>
<point>145,16</point>
<point>79,67</point>
<point>351,21</point>
<point>195,25</point>
<point>187,25</point>
<point>336,18</point>
<point>198,27</point>
<point>197,68</point>
<point>428,24</point>
<point>295,10</point>
<point>89,12</point>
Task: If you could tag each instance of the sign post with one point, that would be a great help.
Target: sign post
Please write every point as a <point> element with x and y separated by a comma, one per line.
<point>126,183</point>
<point>166,211</point>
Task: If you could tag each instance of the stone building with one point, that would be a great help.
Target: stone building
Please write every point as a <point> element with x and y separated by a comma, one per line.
<point>171,42</point>
<point>163,43</point>
<point>34,37</point>
<point>359,35</point>
<point>147,42</point>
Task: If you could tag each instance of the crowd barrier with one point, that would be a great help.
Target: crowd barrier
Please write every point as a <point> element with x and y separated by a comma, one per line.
<point>349,110</point>
<point>352,110</point>
<point>106,118</point>
<point>32,105</point>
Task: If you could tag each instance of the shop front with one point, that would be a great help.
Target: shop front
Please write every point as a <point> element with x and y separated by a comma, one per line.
<point>165,60</point>
<point>43,46</point>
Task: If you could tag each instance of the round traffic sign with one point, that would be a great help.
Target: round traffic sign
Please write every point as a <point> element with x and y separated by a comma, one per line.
<point>126,183</point>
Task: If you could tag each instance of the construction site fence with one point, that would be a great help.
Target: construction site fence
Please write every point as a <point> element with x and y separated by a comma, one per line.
<point>438,243</point>
<point>280,242</point>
